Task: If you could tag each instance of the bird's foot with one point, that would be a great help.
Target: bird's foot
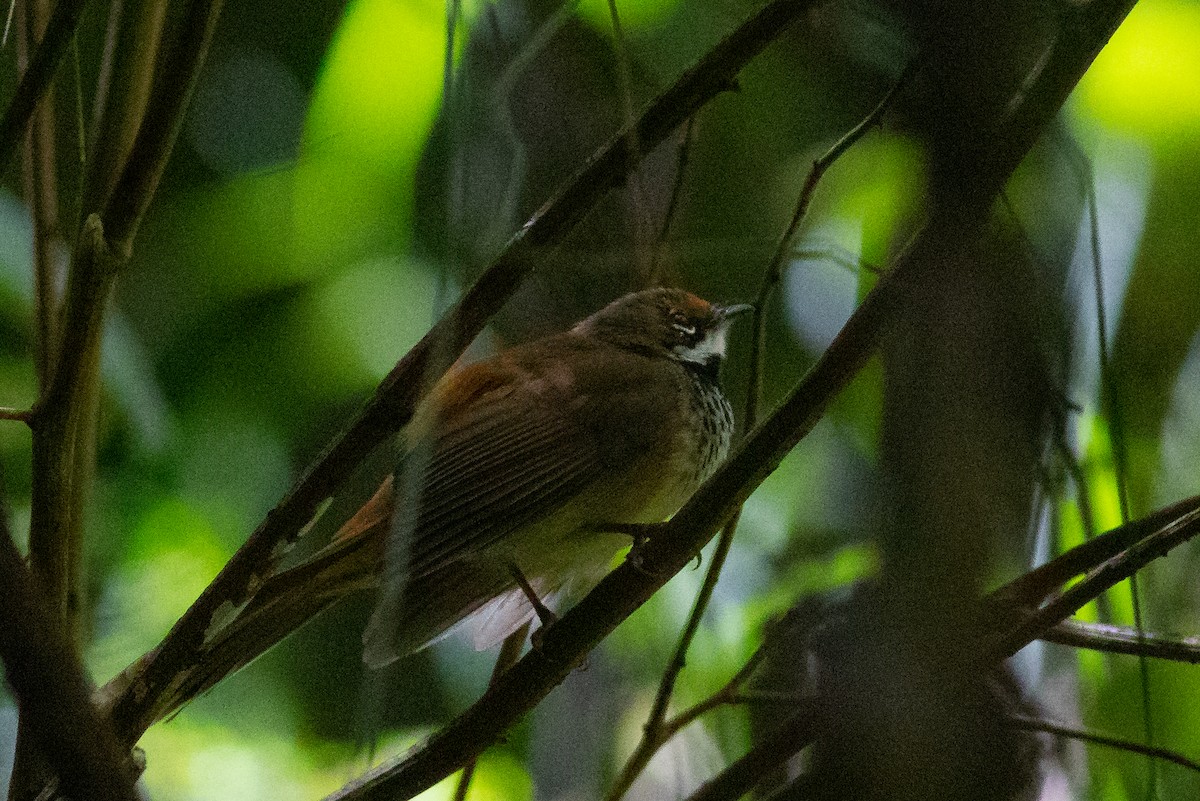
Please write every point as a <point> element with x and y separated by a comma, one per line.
<point>640,533</point>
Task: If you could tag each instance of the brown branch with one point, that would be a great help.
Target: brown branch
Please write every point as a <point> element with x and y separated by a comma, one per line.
<point>1083,735</point>
<point>36,80</point>
<point>40,181</point>
<point>776,748</point>
<point>728,694</point>
<point>123,89</point>
<point>53,691</point>
<point>1032,588</point>
<point>160,126</point>
<point>391,406</point>
<point>1107,575</point>
<point>1122,640</point>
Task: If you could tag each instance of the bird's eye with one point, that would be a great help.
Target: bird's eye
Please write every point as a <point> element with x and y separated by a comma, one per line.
<point>685,327</point>
<point>680,323</point>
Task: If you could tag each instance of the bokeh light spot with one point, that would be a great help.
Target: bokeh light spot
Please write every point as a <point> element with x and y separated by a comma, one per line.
<point>1147,80</point>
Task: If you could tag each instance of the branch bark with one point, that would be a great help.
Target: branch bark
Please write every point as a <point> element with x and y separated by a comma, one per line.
<point>53,690</point>
<point>36,80</point>
<point>64,419</point>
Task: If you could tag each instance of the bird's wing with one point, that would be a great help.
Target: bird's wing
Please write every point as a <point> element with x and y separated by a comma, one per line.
<point>509,454</point>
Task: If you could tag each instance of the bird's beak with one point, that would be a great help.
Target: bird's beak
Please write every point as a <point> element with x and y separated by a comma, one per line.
<point>728,312</point>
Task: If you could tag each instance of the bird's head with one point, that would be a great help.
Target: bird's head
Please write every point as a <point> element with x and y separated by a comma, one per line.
<point>666,322</point>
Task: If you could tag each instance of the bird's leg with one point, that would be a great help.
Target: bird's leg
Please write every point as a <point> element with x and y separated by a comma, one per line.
<point>545,615</point>
<point>640,533</point>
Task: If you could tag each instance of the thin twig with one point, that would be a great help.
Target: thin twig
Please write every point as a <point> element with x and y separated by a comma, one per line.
<point>1032,588</point>
<point>1123,640</point>
<point>510,651</point>
<point>1116,427</point>
<point>728,694</point>
<point>774,272</point>
<point>681,164</point>
<point>9,413</point>
<point>36,80</point>
<point>1095,738</point>
<point>655,732</point>
<point>40,181</point>
<point>1107,575</point>
<point>643,257</point>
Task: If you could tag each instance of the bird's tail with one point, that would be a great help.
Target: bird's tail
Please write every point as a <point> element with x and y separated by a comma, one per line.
<point>287,600</point>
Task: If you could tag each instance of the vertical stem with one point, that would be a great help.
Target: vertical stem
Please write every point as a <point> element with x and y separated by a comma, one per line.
<point>131,48</point>
<point>41,193</point>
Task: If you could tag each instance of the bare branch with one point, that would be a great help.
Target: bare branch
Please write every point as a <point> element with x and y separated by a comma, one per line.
<point>34,83</point>
<point>1107,575</point>
<point>1083,735</point>
<point>1123,640</point>
<point>53,690</point>
<point>160,126</point>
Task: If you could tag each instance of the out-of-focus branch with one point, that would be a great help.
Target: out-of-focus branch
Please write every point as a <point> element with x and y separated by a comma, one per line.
<point>160,126</point>
<point>1109,574</point>
<point>64,418</point>
<point>131,46</point>
<point>41,195</point>
<point>1095,738</point>
<point>52,689</point>
<point>391,406</point>
<point>36,80</point>
<point>1122,640</point>
<point>1031,589</point>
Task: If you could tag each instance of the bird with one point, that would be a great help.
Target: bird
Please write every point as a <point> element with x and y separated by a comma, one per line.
<point>523,475</point>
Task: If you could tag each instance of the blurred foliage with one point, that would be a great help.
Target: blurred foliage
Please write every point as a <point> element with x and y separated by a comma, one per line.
<point>333,190</point>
